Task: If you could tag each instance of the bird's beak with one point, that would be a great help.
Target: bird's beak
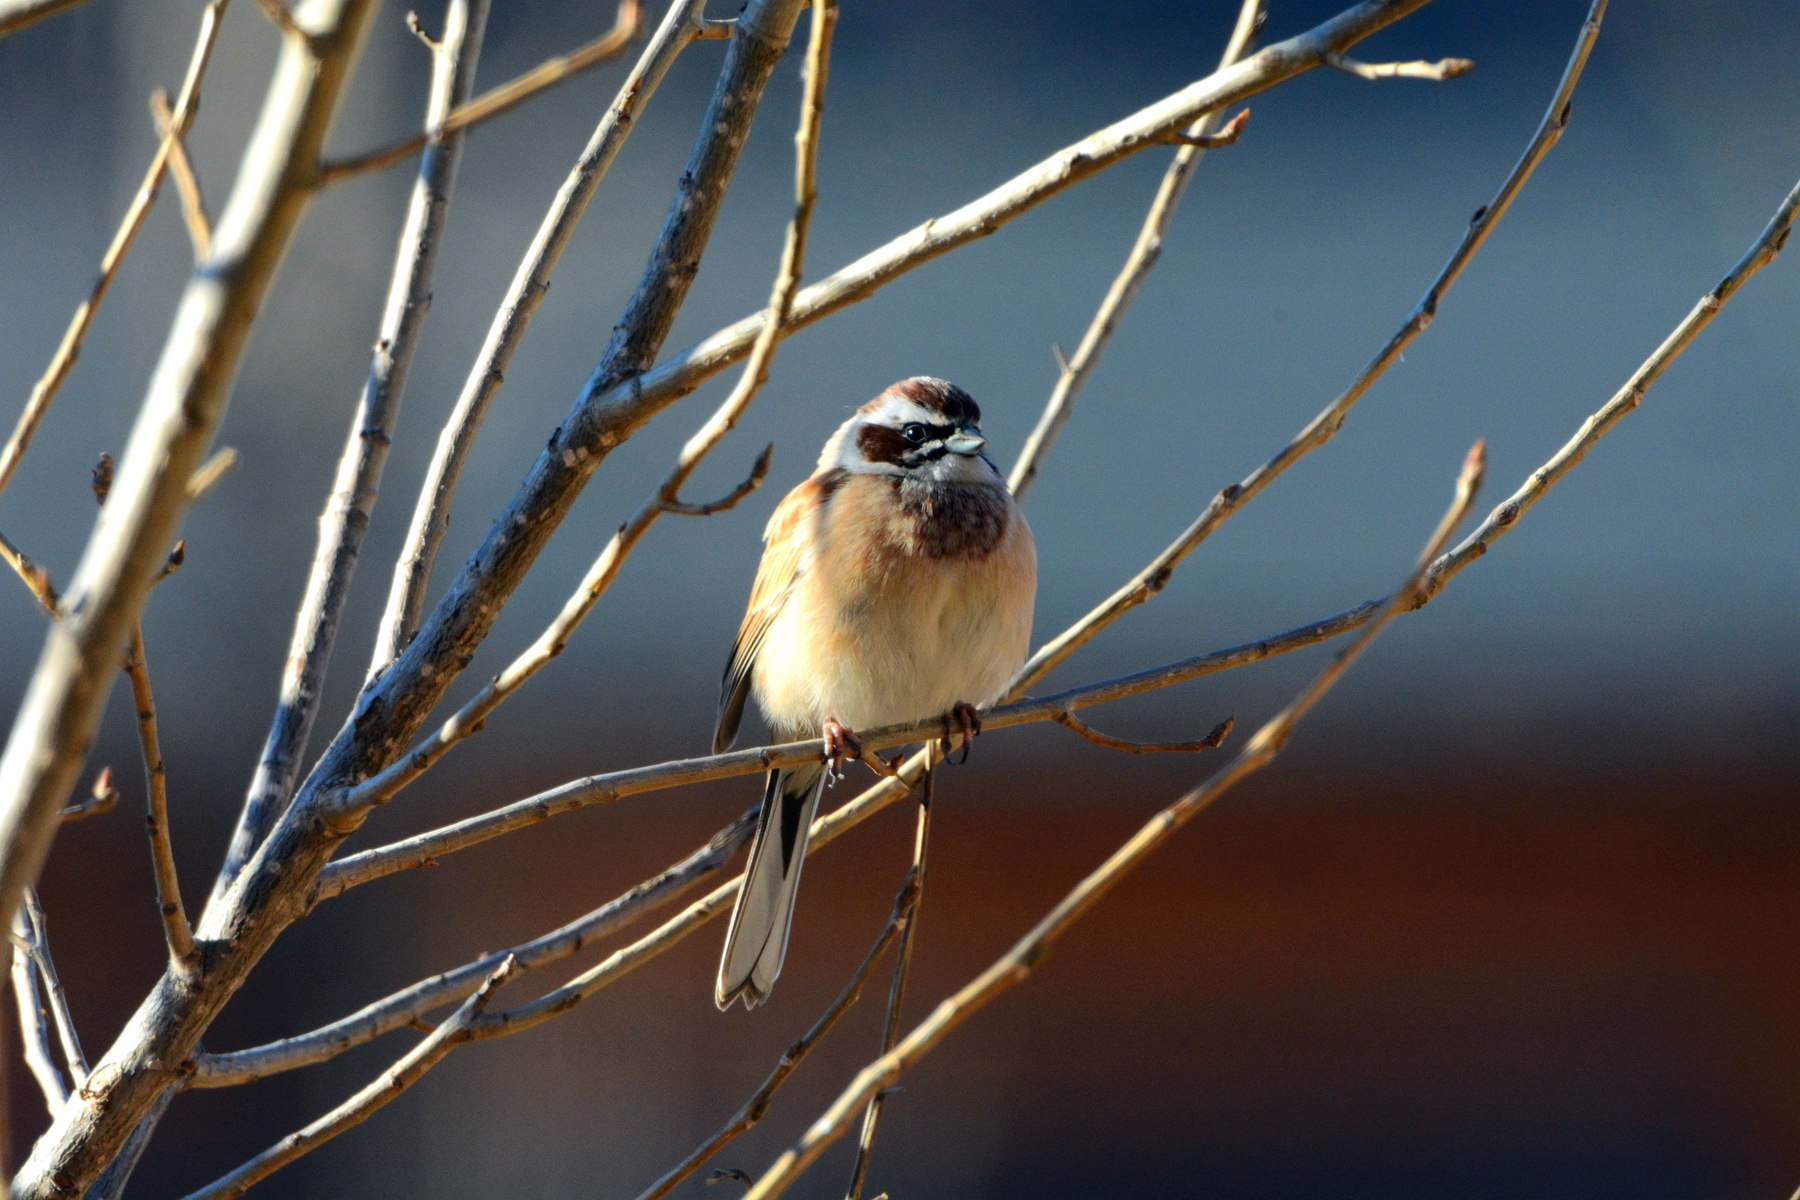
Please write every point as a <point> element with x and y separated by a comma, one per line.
<point>965,443</point>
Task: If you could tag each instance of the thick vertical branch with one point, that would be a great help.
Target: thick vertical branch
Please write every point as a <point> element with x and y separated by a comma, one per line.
<point>358,481</point>
<point>185,401</point>
<point>431,517</point>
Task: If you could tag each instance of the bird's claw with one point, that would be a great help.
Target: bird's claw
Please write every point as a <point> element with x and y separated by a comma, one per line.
<point>961,719</point>
<point>841,743</point>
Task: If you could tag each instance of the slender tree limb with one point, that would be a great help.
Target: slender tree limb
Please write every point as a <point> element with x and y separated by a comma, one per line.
<point>890,1027</point>
<point>186,105</point>
<point>187,180</point>
<point>667,498</point>
<point>759,470</point>
<point>61,1018</point>
<point>757,1106</point>
<point>431,516</point>
<point>841,821</point>
<point>1130,279</point>
<point>405,1072</point>
<point>495,101</point>
<point>182,407</point>
<point>1323,427</point>
<point>1035,946</point>
<point>1442,69</point>
<point>176,930</point>
<point>34,1022</point>
<point>17,14</point>
<point>357,483</point>
<point>101,800</point>
<point>1211,741</point>
<point>280,17</point>
<point>402,1009</point>
<point>1760,254</point>
<point>35,578</point>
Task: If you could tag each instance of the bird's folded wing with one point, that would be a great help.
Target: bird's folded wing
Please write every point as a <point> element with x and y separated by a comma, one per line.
<point>783,561</point>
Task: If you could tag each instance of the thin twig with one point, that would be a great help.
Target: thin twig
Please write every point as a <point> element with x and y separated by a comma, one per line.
<point>186,105</point>
<point>176,930</point>
<point>431,515</point>
<point>1442,69</point>
<point>470,718</point>
<point>187,180</point>
<point>1073,373</point>
<point>1031,950</point>
<point>905,905</point>
<point>209,473</point>
<point>495,101</point>
<point>405,1072</point>
<point>890,1026</point>
<point>36,578</point>
<point>405,1008</point>
<point>1323,427</point>
<point>282,19</point>
<point>357,482</point>
<point>34,1021</point>
<point>102,799</point>
<point>60,1015</point>
<point>1211,741</point>
<point>17,14</point>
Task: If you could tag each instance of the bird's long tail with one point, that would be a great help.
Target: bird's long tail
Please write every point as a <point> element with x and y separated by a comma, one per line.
<point>757,940</point>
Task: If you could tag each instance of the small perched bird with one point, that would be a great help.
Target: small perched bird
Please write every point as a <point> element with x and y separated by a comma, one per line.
<point>896,584</point>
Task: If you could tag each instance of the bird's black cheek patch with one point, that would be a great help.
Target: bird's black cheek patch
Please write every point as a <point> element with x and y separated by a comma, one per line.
<point>879,444</point>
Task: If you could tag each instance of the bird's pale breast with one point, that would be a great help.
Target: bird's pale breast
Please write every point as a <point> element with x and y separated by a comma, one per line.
<point>911,599</point>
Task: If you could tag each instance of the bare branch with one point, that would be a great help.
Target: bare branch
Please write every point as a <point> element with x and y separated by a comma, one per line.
<point>905,904</point>
<point>1323,427</point>
<point>1023,958</point>
<point>17,14</point>
<point>223,462</point>
<point>1211,741</point>
<point>1761,252</point>
<point>101,800</point>
<point>1073,374</point>
<point>495,101</point>
<point>431,517</point>
<point>187,181</point>
<point>404,1008</point>
<point>34,1022</point>
<point>357,483</point>
<point>64,1021</point>
<point>186,105</point>
<point>176,930</point>
<point>36,578</point>
<point>405,1072</point>
<point>282,19</point>
<point>759,471</point>
<point>1226,136</point>
<point>890,1027</point>
<point>470,718</point>
<point>1444,68</point>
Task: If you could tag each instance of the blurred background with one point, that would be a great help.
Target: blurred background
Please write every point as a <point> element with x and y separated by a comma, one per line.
<point>1514,917</point>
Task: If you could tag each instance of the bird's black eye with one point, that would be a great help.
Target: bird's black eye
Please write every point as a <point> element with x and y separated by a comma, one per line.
<point>914,433</point>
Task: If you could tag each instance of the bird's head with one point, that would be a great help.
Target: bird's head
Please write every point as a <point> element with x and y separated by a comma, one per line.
<point>920,428</point>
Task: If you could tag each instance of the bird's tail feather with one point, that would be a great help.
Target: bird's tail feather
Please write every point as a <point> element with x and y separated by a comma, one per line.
<point>757,940</point>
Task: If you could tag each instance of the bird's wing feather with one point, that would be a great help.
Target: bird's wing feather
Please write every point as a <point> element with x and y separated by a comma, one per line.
<point>784,559</point>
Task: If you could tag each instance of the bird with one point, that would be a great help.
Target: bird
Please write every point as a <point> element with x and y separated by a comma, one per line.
<point>896,584</point>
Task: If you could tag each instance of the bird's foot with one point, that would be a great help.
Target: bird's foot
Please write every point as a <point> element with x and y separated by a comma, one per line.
<point>841,743</point>
<point>961,719</point>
